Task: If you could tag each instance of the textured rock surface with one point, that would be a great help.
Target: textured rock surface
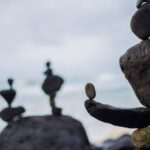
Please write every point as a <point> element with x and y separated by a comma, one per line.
<point>44,133</point>
<point>140,23</point>
<point>122,143</point>
<point>135,64</point>
<point>141,138</point>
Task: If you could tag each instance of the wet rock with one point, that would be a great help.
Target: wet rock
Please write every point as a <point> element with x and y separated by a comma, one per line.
<point>135,64</point>
<point>141,138</point>
<point>122,143</point>
<point>45,133</point>
<point>10,114</point>
<point>124,117</point>
<point>140,23</point>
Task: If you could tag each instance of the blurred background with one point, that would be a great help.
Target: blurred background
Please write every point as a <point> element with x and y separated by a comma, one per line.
<point>83,39</point>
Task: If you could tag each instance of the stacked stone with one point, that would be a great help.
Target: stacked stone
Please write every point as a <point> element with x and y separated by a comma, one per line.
<point>135,64</point>
<point>51,86</point>
<point>10,114</point>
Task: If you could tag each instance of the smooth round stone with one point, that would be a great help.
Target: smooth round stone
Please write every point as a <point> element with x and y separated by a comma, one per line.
<point>90,91</point>
<point>140,22</point>
<point>141,138</point>
<point>135,64</point>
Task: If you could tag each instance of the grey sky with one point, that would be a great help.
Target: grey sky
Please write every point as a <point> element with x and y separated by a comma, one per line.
<point>83,38</point>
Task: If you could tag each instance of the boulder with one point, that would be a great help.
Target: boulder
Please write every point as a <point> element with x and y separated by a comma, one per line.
<point>44,133</point>
<point>140,23</point>
<point>135,64</point>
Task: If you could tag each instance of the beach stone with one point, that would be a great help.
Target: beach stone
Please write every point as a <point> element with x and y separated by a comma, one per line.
<point>45,133</point>
<point>140,22</point>
<point>122,143</point>
<point>90,91</point>
<point>141,138</point>
<point>135,64</point>
<point>10,114</point>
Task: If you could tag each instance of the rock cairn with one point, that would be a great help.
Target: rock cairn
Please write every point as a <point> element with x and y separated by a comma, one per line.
<point>135,64</point>
<point>10,114</point>
<point>51,86</point>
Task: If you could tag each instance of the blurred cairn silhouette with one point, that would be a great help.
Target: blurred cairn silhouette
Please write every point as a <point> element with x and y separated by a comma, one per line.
<point>51,86</point>
<point>9,114</point>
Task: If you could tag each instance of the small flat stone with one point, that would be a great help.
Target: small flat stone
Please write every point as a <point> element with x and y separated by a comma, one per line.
<point>90,91</point>
<point>140,22</point>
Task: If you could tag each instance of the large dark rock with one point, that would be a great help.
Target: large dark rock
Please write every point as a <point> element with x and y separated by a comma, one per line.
<point>123,117</point>
<point>140,23</point>
<point>122,143</point>
<point>44,133</point>
<point>135,64</point>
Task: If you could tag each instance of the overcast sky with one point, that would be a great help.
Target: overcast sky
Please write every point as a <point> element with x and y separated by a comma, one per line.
<point>83,38</point>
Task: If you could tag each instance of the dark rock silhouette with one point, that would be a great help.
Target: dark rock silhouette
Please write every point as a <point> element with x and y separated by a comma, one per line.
<point>45,133</point>
<point>10,114</point>
<point>9,94</point>
<point>140,23</point>
<point>141,2</point>
<point>51,86</point>
<point>123,117</point>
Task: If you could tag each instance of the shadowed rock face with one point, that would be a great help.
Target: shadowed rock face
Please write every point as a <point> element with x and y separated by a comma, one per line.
<point>135,64</point>
<point>140,23</point>
<point>44,133</point>
<point>123,117</point>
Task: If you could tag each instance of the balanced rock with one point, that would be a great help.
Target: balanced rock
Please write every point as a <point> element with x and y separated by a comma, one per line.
<point>44,133</point>
<point>141,138</point>
<point>140,23</point>
<point>90,91</point>
<point>135,64</point>
<point>10,114</point>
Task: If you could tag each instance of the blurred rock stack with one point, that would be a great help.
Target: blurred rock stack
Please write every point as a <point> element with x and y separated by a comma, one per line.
<point>47,132</point>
